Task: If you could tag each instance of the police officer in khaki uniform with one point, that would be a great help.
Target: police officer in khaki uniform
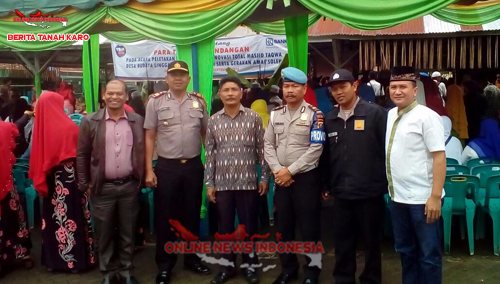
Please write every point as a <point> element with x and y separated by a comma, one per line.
<point>293,144</point>
<point>180,120</point>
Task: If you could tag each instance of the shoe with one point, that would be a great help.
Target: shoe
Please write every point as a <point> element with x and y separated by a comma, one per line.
<point>197,268</point>
<point>163,277</point>
<point>109,281</point>
<point>286,278</point>
<point>251,276</point>
<point>129,280</point>
<point>221,278</point>
<point>310,281</point>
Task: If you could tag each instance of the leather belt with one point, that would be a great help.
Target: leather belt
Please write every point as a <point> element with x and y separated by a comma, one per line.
<point>119,181</point>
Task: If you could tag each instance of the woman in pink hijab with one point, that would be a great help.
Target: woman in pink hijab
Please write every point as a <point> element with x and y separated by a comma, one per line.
<point>69,98</point>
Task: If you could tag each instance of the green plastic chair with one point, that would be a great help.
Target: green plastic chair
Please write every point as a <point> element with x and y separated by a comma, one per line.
<point>457,170</point>
<point>29,192</point>
<point>482,161</point>
<point>78,116</point>
<point>148,193</point>
<point>458,188</point>
<point>491,205</point>
<point>77,121</point>
<point>483,172</point>
<point>451,161</point>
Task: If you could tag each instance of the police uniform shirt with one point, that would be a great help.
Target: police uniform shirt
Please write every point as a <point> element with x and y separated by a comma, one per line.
<point>294,142</point>
<point>178,124</point>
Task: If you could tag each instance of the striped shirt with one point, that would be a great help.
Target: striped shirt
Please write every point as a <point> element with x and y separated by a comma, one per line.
<point>233,147</point>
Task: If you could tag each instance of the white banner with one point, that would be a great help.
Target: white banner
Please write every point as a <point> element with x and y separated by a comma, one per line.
<point>251,55</point>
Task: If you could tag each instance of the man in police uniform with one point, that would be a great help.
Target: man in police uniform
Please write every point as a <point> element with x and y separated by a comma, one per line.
<point>293,144</point>
<point>180,120</point>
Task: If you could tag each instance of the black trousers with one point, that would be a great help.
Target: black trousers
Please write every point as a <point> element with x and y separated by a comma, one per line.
<point>178,197</point>
<point>301,203</point>
<point>353,219</point>
<point>245,203</point>
<point>115,211</point>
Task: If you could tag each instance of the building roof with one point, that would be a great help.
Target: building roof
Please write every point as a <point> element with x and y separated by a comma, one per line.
<point>420,26</point>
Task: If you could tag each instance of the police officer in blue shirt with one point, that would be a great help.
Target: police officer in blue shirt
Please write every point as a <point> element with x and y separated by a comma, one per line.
<point>293,143</point>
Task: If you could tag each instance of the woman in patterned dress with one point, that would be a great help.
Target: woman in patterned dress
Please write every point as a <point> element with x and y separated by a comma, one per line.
<point>66,227</point>
<point>15,242</point>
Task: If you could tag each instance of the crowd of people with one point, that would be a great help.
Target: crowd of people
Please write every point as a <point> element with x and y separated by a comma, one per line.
<point>354,147</point>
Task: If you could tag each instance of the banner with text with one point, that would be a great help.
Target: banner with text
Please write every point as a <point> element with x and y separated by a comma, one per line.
<point>251,55</point>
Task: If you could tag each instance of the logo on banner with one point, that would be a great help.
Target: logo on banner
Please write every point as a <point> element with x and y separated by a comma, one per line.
<point>40,19</point>
<point>120,50</point>
<point>269,42</point>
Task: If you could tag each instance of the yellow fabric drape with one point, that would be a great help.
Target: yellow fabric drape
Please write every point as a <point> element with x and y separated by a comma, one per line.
<point>165,7</point>
<point>477,5</point>
<point>455,108</point>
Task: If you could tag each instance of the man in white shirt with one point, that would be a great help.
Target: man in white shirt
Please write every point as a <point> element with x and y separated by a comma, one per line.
<point>436,76</point>
<point>416,170</point>
<point>377,87</point>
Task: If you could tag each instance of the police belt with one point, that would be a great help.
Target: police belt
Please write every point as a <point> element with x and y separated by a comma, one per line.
<point>118,181</point>
<point>196,159</point>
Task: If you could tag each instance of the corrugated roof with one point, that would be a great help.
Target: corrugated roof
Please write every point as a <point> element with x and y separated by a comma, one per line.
<point>424,25</point>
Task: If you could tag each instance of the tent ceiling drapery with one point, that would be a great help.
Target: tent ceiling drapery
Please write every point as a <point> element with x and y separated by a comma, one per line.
<point>212,18</point>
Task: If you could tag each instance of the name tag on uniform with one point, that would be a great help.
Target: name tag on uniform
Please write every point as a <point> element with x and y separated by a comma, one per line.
<point>317,136</point>
<point>359,125</point>
<point>164,108</point>
<point>332,134</point>
<point>280,123</point>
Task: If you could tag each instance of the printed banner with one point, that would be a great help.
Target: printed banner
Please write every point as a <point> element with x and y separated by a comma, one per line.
<point>251,55</point>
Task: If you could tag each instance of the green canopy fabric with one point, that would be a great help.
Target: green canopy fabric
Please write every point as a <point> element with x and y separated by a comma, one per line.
<point>181,29</point>
<point>125,37</point>
<point>374,14</point>
<point>185,28</point>
<point>478,16</point>
<point>278,27</point>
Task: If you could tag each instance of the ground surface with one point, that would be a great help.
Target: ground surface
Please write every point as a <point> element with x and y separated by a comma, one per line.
<point>459,266</point>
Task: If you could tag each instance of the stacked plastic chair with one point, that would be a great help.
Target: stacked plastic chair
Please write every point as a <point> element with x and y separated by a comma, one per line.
<point>25,187</point>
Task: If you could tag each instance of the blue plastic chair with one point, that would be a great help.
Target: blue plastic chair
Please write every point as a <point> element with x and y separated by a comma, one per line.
<point>451,161</point>
<point>484,172</point>
<point>29,192</point>
<point>457,170</point>
<point>491,205</point>
<point>456,202</point>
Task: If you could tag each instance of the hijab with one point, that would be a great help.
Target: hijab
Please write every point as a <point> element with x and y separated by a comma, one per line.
<point>487,145</point>
<point>421,93</point>
<point>8,133</point>
<point>455,108</point>
<point>66,91</point>
<point>260,107</point>
<point>454,148</point>
<point>55,137</point>
<point>433,98</point>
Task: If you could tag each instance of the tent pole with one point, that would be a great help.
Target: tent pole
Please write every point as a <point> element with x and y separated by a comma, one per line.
<point>37,71</point>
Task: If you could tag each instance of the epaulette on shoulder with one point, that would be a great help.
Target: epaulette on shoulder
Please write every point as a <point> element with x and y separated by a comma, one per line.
<point>199,96</point>
<point>278,108</point>
<point>315,109</point>
<point>157,95</point>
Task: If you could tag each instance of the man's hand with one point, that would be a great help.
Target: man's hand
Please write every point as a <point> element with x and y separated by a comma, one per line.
<point>325,195</point>
<point>151,179</point>
<point>211,194</point>
<point>30,113</point>
<point>282,177</point>
<point>263,187</point>
<point>88,192</point>
<point>433,209</point>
